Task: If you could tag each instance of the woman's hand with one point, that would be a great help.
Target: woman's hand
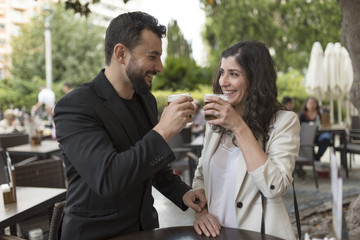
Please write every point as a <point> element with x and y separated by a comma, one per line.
<point>207,224</point>
<point>225,113</point>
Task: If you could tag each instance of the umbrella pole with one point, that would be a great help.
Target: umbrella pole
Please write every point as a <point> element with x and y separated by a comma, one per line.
<point>331,111</point>
<point>339,112</point>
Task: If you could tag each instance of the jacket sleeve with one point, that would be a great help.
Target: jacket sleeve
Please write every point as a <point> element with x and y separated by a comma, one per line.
<point>94,158</point>
<point>275,176</point>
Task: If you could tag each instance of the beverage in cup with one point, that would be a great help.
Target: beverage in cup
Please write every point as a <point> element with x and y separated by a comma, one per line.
<point>173,97</point>
<point>206,101</point>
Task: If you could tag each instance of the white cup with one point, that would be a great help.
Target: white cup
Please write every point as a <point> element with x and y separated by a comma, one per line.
<point>206,101</point>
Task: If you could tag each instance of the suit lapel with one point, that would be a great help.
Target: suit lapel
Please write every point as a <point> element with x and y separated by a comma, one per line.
<point>113,102</point>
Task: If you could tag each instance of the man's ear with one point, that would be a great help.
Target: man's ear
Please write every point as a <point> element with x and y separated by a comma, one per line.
<point>119,53</point>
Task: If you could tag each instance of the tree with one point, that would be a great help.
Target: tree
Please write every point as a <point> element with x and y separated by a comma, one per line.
<point>77,48</point>
<point>177,44</point>
<point>350,36</point>
<point>288,27</point>
<point>180,69</point>
<point>77,53</point>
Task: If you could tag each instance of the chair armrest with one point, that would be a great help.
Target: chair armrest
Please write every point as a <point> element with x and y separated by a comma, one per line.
<point>8,237</point>
<point>181,149</point>
<point>26,161</point>
<point>192,156</point>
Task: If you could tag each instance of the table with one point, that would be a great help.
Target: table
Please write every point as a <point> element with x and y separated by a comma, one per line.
<point>44,150</point>
<point>188,233</point>
<point>30,200</point>
<point>338,130</point>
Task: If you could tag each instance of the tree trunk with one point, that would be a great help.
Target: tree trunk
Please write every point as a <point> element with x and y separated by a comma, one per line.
<point>350,37</point>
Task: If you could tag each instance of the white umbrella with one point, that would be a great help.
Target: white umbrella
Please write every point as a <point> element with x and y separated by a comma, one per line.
<point>314,76</point>
<point>346,76</point>
<point>331,74</point>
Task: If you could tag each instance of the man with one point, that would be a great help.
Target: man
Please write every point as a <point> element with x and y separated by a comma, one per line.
<point>46,97</point>
<point>288,103</point>
<point>114,148</point>
<point>67,87</point>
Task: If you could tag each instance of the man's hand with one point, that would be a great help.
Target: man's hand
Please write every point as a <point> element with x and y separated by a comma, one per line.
<point>206,223</point>
<point>174,117</point>
<point>195,199</point>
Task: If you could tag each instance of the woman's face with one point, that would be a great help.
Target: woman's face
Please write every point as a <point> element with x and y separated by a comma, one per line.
<point>232,81</point>
<point>311,104</point>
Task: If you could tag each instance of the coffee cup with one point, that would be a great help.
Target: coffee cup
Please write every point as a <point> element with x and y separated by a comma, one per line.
<point>206,101</point>
<point>173,97</point>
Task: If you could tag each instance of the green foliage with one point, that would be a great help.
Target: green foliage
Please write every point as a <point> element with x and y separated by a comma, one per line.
<point>180,69</point>
<point>291,84</point>
<point>77,54</point>
<point>177,44</point>
<point>181,73</point>
<point>288,27</point>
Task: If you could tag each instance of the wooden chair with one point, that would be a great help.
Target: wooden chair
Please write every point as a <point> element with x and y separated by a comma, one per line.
<point>39,173</point>
<point>185,159</point>
<point>351,145</point>
<point>55,220</point>
<point>12,140</point>
<point>306,152</point>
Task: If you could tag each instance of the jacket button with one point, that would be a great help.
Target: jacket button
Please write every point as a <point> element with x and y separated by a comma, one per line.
<point>272,187</point>
<point>239,204</point>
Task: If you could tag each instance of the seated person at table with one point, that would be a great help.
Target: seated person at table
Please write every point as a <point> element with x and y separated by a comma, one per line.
<point>288,103</point>
<point>10,123</point>
<point>310,113</point>
<point>114,147</point>
<point>197,128</point>
<point>249,150</point>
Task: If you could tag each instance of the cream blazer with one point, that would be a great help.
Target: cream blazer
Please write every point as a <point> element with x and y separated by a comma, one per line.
<point>273,178</point>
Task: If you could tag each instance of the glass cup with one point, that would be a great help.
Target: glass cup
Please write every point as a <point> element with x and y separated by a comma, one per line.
<point>173,97</point>
<point>206,101</point>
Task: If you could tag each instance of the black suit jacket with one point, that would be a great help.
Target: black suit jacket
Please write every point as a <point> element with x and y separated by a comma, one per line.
<point>110,167</point>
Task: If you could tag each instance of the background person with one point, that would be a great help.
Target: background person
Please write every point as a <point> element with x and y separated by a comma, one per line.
<point>67,87</point>
<point>114,148</point>
<point>46,98</point>
<point>10,123</point>
<point>311,113</point>
<point>198,125</point>
<point>249,150</point>
<point>288,103</point>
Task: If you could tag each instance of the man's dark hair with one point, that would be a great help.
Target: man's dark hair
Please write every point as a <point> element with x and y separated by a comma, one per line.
<point>126,29</point>
<point>286,100</point>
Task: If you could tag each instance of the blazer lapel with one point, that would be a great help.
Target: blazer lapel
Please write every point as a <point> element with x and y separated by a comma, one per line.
<point>113,102</point>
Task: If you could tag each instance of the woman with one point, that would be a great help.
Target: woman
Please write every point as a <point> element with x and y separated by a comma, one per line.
<point>249,150</point>
<point>310,113</point>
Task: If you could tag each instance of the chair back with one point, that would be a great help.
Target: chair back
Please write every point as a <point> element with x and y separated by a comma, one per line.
<point>355,122</point>
<point>41,173</point>
<point>13,139</point>
<point>56,220</point>
<point>3,164</point>
<point>307,141</point>
<point>177,142</point>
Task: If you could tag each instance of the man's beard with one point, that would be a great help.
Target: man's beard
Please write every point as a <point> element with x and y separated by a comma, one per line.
<point>138,80</point>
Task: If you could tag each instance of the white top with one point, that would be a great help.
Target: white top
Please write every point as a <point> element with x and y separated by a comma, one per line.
<point>222,184</point>
<point>47,97</point>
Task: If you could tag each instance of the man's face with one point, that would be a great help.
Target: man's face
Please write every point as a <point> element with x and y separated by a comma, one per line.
<point>145,62</point>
